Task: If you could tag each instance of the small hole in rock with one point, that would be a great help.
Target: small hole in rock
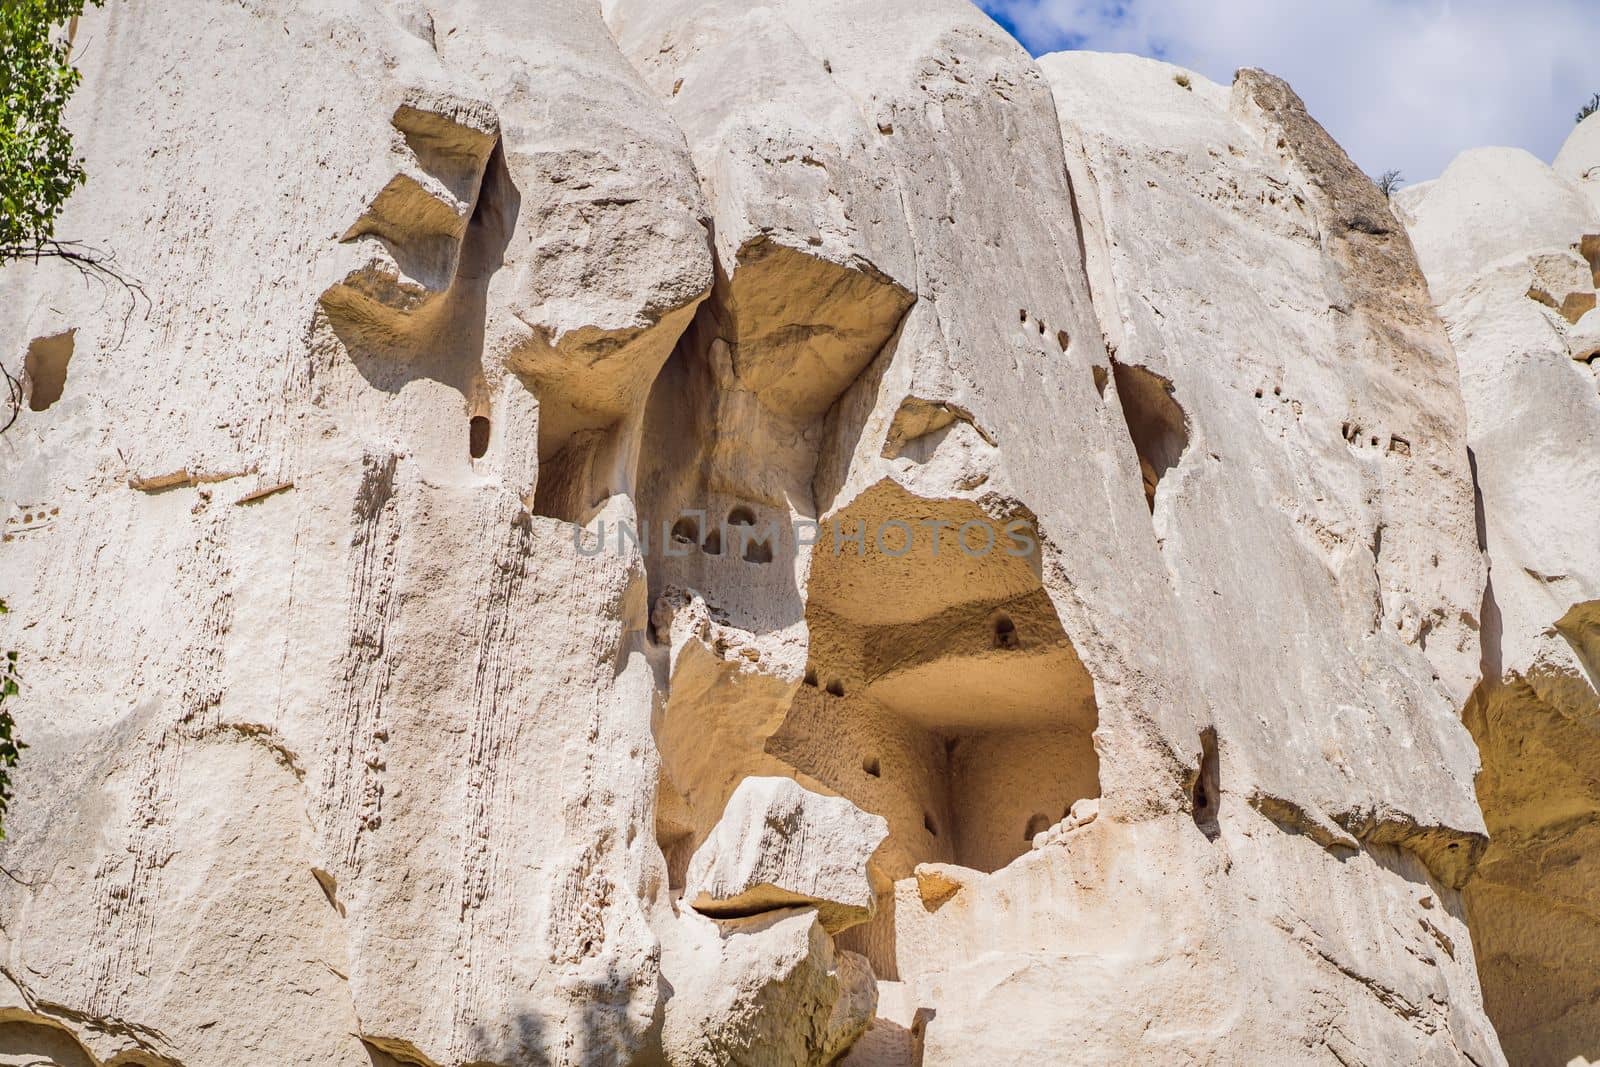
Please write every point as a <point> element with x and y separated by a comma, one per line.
<point>1037,824</point>
<point>1258,394</point>
<point>1208,786</point>
<point>758,552</point>
<point>1005,632</point>
<point>1041,329</point>
<point>741,516</point>
<point>927,824</point>
<point>836,688</point>
<point>46,368</point>
<point>870,766</point>
<point>478,436</point>
<point>1156,422</point>
<point>686,532</point>
<point>713,543</point>
<point>811,676</point>
<point>1100,378</point>
<point>1062,339</point>
<point>1022,316</point>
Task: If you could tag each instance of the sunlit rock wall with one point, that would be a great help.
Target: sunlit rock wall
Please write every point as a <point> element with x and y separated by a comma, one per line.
<point>1511,247</point>
<point>532,423</point>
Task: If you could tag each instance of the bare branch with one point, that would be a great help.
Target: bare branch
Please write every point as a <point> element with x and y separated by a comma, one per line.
<point>1389,181</point>
<point>13,398</point>
<point>91,263</point>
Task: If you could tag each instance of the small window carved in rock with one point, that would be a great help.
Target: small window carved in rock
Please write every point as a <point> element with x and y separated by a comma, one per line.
<point>686,531</point>
<point>1158,426</point>
<point>45,366</point>
<point>1208,786</point>
<point>478,437</point>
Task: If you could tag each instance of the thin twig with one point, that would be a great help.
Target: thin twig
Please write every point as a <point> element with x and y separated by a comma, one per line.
<point>13,398</point>
<point>90,262</point>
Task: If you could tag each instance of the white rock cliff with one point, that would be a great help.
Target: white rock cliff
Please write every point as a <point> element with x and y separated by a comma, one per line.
<point>505,588</point>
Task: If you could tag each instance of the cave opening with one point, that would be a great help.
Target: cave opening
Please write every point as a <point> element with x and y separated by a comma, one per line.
<point>1156,423</point>
<point>960,696</point>
<point>686,532</point>
<point>478,437</point>
<point>45,367</point>
<point>1206,793</point>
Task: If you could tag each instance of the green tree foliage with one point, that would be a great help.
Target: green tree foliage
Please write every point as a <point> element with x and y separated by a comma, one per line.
<point>10,746</point>
<point>38,170</point>
<point>1590,108</point>
<point>37,173</point>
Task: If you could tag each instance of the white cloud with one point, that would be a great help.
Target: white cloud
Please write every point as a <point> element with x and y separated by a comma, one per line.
<point>1400,83</point>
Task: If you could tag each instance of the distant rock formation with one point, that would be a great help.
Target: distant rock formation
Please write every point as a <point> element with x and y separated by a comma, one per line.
<point>725,532</point>
<point>1512,251</point>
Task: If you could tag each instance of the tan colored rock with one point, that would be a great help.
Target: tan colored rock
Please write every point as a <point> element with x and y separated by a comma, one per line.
<point>1525,345</point>
<point>895,1038</point>
<point>938,882</point>
<point>1079,815</point>
<point>779,846</point>
<point>1564,283</point>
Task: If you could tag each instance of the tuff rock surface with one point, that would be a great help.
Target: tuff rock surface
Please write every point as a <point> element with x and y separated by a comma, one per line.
<point>1514,266</point>
<point>779,845</point>
<point>767,990</point>
<point>538,428</point>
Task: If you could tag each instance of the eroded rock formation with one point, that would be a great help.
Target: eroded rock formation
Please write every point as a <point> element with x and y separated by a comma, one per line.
<point>710,532</point>
<point>1512,247</point>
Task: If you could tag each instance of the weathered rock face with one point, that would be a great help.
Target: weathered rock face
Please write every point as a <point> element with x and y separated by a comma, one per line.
<point>345,753</point>
<point>706,532</point>
<point>764,990</point>
<point>1511,247</point>
<point>779,845</point>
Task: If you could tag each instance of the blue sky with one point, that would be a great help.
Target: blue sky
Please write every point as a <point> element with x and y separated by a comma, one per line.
<point>1401,83</point>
